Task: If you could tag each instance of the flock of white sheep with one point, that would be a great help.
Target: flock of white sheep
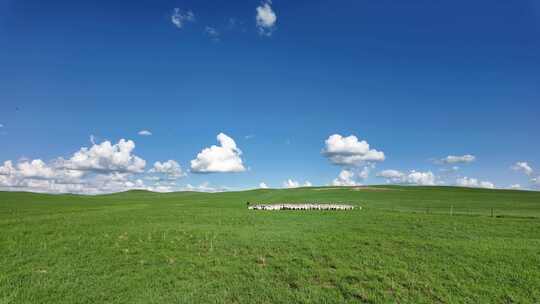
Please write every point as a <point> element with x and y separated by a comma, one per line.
<point>306,206</point>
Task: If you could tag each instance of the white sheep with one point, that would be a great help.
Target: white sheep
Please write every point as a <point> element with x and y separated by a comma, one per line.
<point>306,206</point>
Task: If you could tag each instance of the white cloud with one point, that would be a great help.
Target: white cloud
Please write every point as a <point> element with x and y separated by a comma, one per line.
<point>474,183</point>
<point>364,174</point>
<point>219,159</point>
<point>290,183</point>
<point>171,169</point>
<point>7,168</point>
<point>487,184</point>
<point>35,169</point>
<point>351,177</point>
<point>266,18</point>
<point>212,33</point>
<point>101,169</point>
<point>106,158</point>
<point>515,186</point>
<point>204,187</point>
<point>263,185</point>
<point>13,176</point>
<point>179,18</point>
<point>113,182</point>
<point>345,178</point>
<point>412,178</point>
<point>162,188</point>
<point>391,174</point>
<point>527,170</point>
<point>37,176</point>
<point>536,181</point>
<point>453,159</point>
<point>145,133</point>
<point>17,182</point>
<point>421,178</point>
<point>523,167</point>
<point>349,151</point>
<point>38,170</point>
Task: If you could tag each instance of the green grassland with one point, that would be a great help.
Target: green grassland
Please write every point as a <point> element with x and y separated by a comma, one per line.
<point>403,246</point>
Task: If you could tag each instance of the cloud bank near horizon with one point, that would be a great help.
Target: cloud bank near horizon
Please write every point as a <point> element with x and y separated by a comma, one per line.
<point>112,167</point>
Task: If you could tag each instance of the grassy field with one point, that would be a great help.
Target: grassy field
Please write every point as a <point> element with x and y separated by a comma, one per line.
<point>406,245</point>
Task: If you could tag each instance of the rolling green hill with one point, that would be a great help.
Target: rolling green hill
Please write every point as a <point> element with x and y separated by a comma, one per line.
<point>406,244</point>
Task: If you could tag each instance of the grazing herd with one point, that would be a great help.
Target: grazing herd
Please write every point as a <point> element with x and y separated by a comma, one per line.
<point>303,206</point>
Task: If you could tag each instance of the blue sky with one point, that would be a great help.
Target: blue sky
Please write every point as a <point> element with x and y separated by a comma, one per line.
<point>417,80</point>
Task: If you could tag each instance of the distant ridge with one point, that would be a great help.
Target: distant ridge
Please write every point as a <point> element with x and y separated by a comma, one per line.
<point>337,188</point>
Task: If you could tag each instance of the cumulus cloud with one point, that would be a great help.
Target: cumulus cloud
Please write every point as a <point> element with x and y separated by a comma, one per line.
<point>35,169</point>
<point>266,18</point>
<point>105,158</point>
<point>263,185</point>
<point>179,18</point>
<point>411,178</point>
<point>204,187</point>
<point>7,168</point>
<point>160,188</point>
<point>515,186</point>
<point>351,177</point>
<point>290,183</point>
<point>102,168</point>
<point>391,174</point>
<point>421,178</point>
<point>224,158</point>
<point>144,133</point>
<point>170,169</point>
<point>112,182</point>
<point>523,167</point>
<point>474,183</point>
<point>349,151</point>
<point>453,159</point>
<point>345,178</point>
<point>17,182</point>
<point>37,176</point>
